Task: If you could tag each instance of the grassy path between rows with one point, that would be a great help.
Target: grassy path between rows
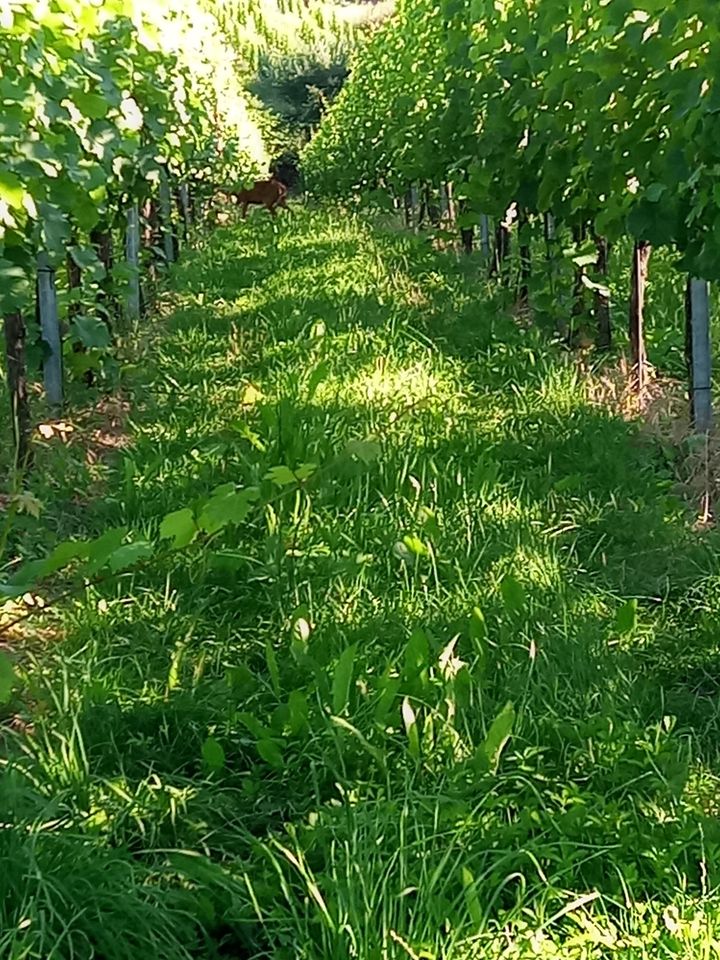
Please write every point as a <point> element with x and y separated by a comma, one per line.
<point>405,709</point>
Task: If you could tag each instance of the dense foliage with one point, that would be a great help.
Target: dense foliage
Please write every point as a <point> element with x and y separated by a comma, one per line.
<point>601,112</point>
<point>298,89</point>
<point>297,60</point>
<point>98,101</point>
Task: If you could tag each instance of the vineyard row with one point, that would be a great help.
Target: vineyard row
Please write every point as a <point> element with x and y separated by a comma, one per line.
<point>604,115</point>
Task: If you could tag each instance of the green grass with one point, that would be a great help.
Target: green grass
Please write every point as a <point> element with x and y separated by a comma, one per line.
<point>283,745</point>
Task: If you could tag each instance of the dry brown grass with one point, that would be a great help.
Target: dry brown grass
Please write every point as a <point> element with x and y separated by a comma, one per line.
<point>662,410</point>
<point>101,430</point>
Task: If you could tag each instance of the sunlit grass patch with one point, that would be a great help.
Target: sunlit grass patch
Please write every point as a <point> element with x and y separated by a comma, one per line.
<point>451,696</point>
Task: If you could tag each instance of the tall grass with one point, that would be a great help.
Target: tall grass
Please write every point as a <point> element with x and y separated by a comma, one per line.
<point>454,699</point>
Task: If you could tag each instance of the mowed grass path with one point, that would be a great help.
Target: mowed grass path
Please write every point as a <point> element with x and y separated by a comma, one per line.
<point>403,710</point>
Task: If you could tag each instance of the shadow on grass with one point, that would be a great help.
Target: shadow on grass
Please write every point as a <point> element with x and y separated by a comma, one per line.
<point>522,477</point>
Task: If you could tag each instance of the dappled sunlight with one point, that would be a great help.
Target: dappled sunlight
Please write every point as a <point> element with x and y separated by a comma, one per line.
<point>422,648</point>
<point>537,568</point>
<point>402,388</point>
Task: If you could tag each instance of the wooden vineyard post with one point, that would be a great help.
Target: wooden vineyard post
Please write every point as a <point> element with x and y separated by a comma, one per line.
<point>414,208</point>
<point>184,204</point>
<point>501,250</point>
<point>444,205</point>
<point>485,236</point>
<point>102,241</point>
<point>550,233</point>
<point>467,236</point>
<point>452,213</point>
<point>15,334</point>
<point>525,259</point>
<point>422,210</point>
<point>638,354</point>
<point>132,254</point>
<point>467,233</point>
<point>167,220</point>
<point>698,354</point>
<point>74,279</point>
<point>433,213</point>
<point>602,297</point>
<point>195,213</point>
<point>407,203</point>
<point>578,307</point>
<point>47,309</point>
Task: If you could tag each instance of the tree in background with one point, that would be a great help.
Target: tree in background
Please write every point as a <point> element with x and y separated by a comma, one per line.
<point>298,88</point>
<point>302,66</point>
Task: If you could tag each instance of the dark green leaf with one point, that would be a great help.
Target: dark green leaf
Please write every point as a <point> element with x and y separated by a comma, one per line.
<point>513,594</point>
<point>270,752</point>
<point>129,555</point>
<point>7,678</point>
<point>319,374</point>
<point>626,618</point>
<point>91,332</point>
<point>298,706</point>
<point>227,508</point>
<point>213,754</point>
<point>273,668</point>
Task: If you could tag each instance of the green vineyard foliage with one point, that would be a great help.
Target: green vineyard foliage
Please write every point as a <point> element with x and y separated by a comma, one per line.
<point>98,102</point>
<point>596,112</point>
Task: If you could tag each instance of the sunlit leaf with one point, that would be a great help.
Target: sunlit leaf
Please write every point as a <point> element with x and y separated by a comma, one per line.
<point>12,190</point>
<point>27,502</point>
<point>251,396</point>
<point>411,728</point>
<point>281,476</point>
<point>416,546</point>
<point>180,527</point>
<point>342,679</point>
<point>365,450</point>
<point>488,753</point>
